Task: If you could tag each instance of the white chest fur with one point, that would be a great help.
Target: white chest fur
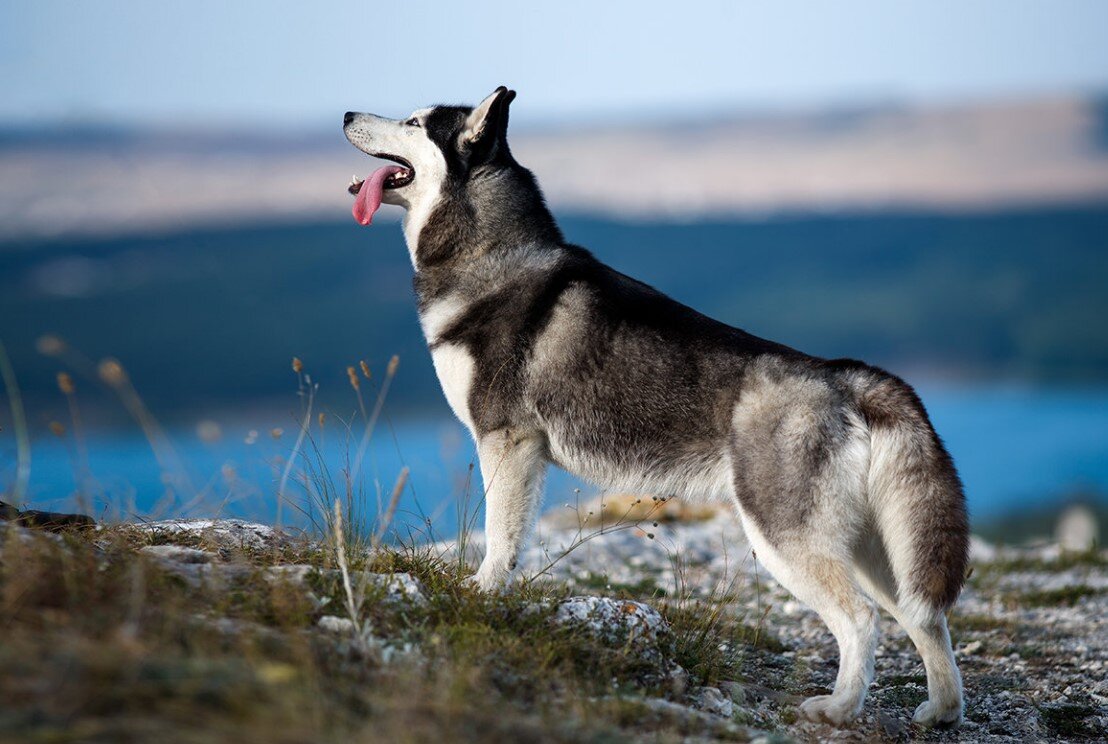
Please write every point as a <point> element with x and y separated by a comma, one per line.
<point>453,362</point>
<point>454,366</point>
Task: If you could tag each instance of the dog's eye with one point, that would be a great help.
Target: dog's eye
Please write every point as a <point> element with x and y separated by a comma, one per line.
<point>413,122</point>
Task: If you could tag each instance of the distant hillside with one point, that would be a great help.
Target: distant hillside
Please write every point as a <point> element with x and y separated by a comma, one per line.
<point>212,318</point>
<point>109,181</point>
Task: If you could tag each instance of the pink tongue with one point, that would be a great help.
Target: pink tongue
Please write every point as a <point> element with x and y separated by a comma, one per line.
<point>368,199</point>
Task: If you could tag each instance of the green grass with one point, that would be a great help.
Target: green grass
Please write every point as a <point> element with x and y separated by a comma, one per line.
<point>1093,558</point>
<point>965,624</point>
<point>645,588</point>
<point>1066,596</point>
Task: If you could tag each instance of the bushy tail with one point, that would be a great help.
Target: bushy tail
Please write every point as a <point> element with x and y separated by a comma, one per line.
<point>917,499</point>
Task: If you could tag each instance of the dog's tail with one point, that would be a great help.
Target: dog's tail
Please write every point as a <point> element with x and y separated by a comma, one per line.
<point>917,499</point>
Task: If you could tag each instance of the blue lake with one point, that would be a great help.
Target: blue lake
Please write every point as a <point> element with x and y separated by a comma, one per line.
<point>1014,448</point>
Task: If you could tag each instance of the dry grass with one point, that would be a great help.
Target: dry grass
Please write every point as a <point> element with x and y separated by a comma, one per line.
<point>100,644</point>
<point>609,509</point>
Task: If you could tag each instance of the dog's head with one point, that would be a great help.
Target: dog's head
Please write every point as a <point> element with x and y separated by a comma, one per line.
<point>433,149</point>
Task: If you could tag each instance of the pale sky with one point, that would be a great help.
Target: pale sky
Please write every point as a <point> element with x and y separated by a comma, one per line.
<point>297,63</point>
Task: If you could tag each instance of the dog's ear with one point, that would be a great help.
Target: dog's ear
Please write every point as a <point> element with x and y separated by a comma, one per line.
<point>486,128</point>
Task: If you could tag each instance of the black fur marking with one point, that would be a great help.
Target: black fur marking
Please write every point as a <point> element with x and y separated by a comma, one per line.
<point>489,202</point>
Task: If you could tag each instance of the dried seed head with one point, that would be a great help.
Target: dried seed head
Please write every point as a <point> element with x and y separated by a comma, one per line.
<point>65,383</point>
<point>111,372</point>
<point>49,345</point>
<point>297,365</point>
<point>393,364</point>
<point>365,369</point>
<point>322,418</point>
<point>353,377</point>
<point>276,432</point>
<point>57,428</point>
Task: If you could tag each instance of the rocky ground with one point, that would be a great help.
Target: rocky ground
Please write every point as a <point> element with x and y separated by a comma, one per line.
<point>1030,630</point>
<point>698,642</point>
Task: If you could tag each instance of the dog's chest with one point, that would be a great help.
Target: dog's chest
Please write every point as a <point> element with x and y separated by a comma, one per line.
<point>454,367</point>
<point>454,363</point>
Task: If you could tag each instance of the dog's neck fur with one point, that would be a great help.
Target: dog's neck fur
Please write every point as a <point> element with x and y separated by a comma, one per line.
<point>497,214</point>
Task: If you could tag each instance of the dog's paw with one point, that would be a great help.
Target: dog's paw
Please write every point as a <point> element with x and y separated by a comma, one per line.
<point>830,709</point>
<point>489,577</point>
<point>931,714</point>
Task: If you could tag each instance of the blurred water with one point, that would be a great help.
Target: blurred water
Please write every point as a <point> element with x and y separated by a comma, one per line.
<point>1014,448</point>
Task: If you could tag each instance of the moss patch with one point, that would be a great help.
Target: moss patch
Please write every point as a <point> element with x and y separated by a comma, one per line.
<point>1067,596</point>
<point>1071,720</point>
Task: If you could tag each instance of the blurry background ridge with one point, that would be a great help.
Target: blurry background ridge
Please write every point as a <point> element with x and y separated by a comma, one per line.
<point>74,179</point>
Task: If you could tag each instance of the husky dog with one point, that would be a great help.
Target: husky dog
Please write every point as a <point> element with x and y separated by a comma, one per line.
<point>548,356</point>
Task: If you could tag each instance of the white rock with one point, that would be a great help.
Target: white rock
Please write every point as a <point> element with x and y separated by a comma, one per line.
<point>711,700</point>
<point>178,554</point>
<point>400,587</point>
<point>607,617</point>
<point>336,625</point>
<point>1077,529</point>
<point>226,533</point>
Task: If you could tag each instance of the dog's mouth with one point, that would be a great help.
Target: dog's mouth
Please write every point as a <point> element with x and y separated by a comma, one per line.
<point>370,190</point>
<point>395,179</point>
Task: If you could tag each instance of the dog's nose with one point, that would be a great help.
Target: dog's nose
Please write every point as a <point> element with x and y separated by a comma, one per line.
<point>349,117</point>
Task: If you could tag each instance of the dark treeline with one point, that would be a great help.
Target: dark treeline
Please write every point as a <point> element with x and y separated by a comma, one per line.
<point>212,318</point>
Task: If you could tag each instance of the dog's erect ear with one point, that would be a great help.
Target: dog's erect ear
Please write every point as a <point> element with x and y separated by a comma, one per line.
<point>486,128</point>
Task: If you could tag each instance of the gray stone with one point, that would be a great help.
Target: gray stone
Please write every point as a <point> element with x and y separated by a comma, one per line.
<point>614,620</point>
<point>735,691</point>
<point>222,533</point>
<point>178,554</point>
<point>711,700</point>
<point>336,625</point>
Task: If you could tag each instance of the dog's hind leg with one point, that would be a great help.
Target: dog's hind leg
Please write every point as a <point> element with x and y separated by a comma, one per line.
<point>822,580</point>
<point>512,468</point>
<point>930,636</point>
<point>917,555</point>
<point>943,706</point>
<point>800,465</point>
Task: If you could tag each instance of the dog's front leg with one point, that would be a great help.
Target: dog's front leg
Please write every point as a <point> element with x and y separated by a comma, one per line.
<point>512,466</point>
